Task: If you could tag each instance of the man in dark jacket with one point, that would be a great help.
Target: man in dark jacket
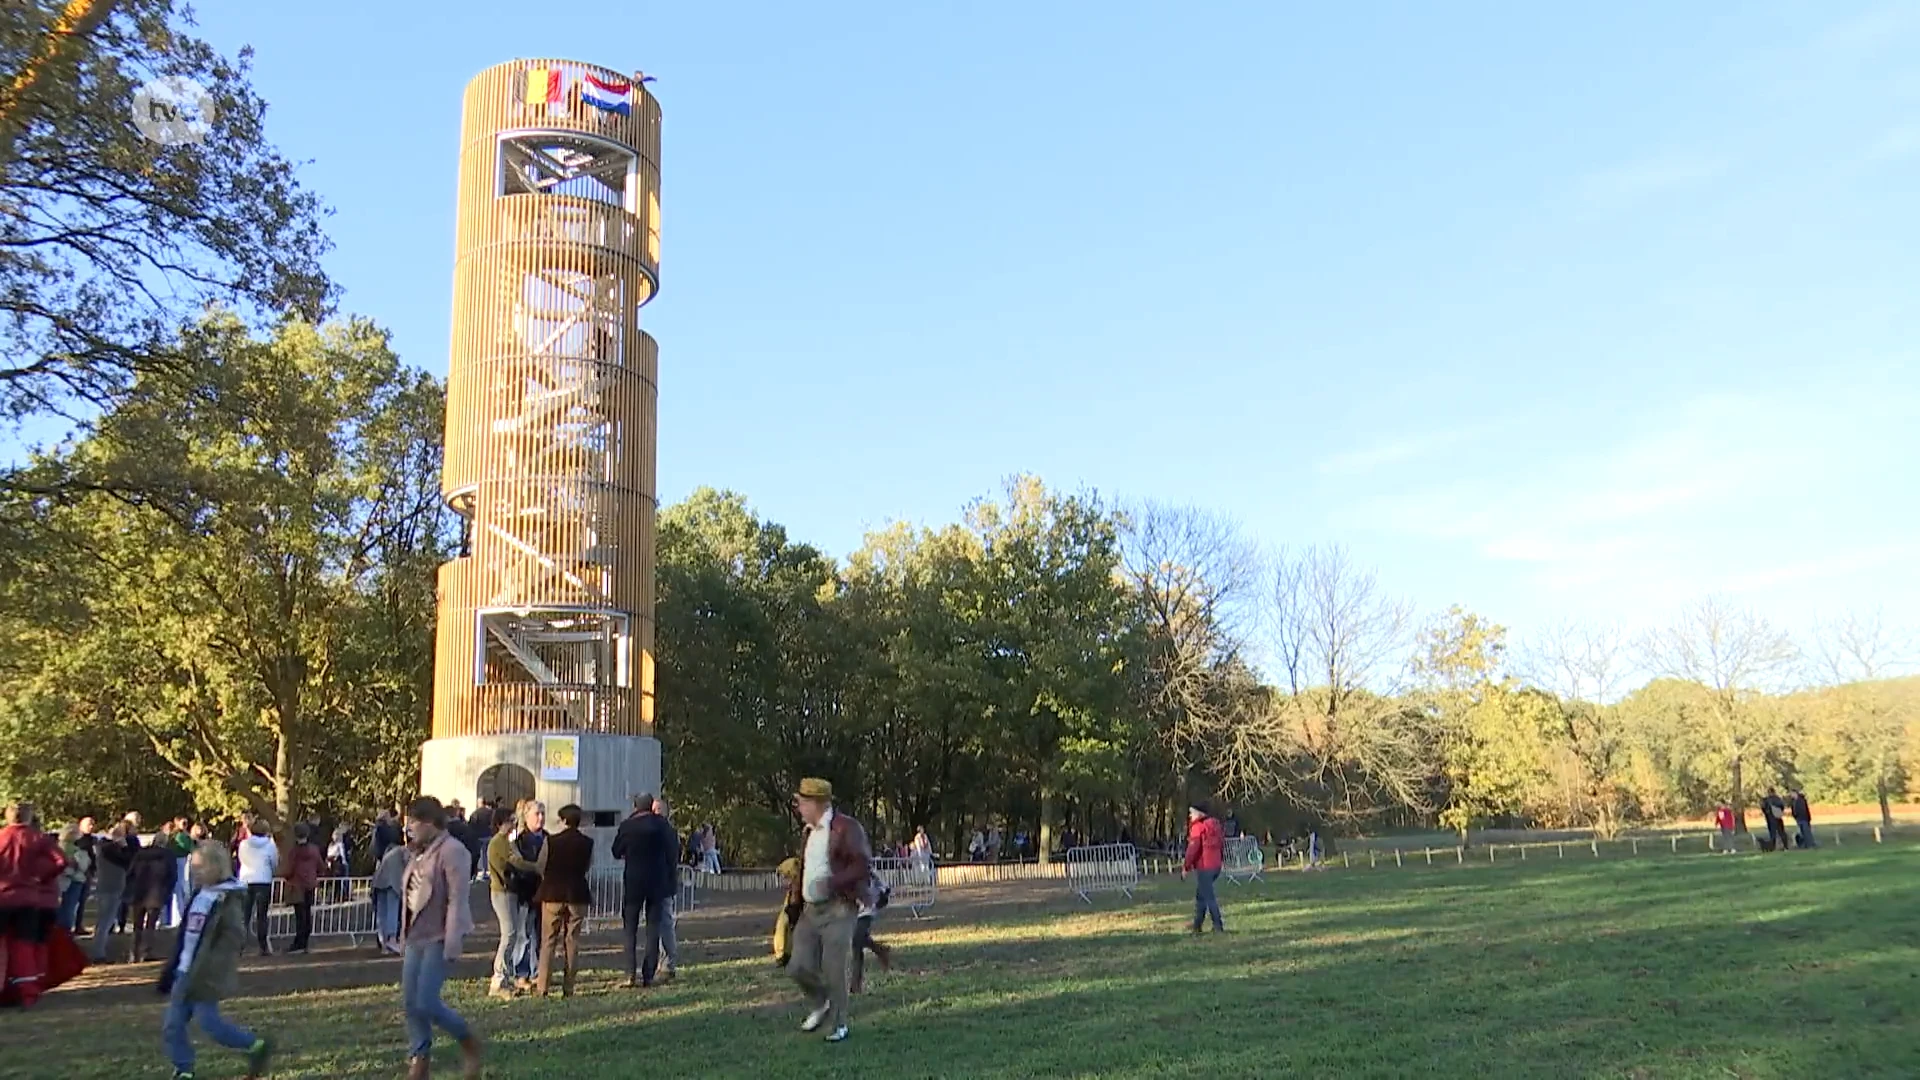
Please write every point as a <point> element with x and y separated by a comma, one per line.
<point>836,881</point>
<point>1802,818</point>
<point>1774,809</point>
<point>647,844</point>
<point>479,835</point>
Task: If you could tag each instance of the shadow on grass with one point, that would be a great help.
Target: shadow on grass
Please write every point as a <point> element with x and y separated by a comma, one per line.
<point>1703,967</point>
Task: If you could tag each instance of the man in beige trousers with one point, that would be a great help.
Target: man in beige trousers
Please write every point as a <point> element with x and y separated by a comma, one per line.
<point>836,880</point>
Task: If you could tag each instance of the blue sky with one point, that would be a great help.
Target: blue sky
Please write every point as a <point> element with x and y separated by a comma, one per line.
<point>1548,312</point>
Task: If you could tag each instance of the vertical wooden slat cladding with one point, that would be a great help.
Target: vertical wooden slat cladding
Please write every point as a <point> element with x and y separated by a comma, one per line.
<point>552,392</point>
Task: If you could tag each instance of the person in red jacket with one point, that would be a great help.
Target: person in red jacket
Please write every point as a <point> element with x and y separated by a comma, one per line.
<point>30,869</point>
<point>303,877</point>
<point>1204,841</point>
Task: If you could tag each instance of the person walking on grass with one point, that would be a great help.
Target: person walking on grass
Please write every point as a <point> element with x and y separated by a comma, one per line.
<point>259,861</point>
<point>503,864</point>
<point>436,919</point>
<point>836,882</point>
<point>205,966</point>
<point>647,845</point>
<point>878,894</point>
<point>565,898</point>
<point>1204,843</point>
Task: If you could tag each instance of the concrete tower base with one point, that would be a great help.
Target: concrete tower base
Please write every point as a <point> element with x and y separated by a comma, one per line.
<point>609,771</point>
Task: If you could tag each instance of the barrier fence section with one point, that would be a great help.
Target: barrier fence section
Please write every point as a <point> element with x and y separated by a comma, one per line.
<point>1241,859</point>
<point>915,883</point>
<point>342,907</point>
<point>608,887</point>
<point>1103,868</point>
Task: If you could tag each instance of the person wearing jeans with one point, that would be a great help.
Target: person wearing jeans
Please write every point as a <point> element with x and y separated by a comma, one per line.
<point>529,842</point>
<point>259,862</point>
<point>205,965</point>
<point>1205,841</point>
<point>388,879</point>
<point>437,918</point>
<point>503,863</point>
<point>650,849</point>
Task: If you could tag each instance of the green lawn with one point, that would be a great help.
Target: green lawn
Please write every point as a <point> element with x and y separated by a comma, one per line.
<point>1799,965</point>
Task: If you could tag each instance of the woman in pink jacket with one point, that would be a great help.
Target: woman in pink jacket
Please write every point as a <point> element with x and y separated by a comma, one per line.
<point>436,918</point>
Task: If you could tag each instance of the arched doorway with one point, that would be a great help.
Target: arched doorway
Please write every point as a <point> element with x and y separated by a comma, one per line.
<point>507,783</point>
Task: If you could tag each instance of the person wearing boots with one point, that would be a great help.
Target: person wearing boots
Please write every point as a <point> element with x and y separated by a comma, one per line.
<point>436,917</point>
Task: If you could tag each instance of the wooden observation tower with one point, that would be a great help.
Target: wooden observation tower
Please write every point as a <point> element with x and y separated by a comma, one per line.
<point>543,682</point>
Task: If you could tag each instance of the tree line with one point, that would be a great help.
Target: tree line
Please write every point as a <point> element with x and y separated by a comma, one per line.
<point>216,584</point>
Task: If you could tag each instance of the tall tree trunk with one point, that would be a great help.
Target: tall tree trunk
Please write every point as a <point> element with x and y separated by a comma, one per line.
<point>1886,808</point>
<point>283,780</point>
<point>1739,798</point>
<point>1045,841</point>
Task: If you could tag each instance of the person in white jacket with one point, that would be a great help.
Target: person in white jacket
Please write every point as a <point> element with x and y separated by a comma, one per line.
<point>259,861</point>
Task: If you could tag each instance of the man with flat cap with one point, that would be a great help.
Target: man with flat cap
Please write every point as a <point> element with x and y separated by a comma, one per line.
<point>836,873</point>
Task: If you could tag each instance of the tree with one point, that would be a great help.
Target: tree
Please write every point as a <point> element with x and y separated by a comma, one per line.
<point>1858,652</point>
<point>1197,580</point>
<point>1337,740</point>
<point>109,240</point>
<point>1058,621</point>
<point>1582,666</point>
<point>238,567</point>
<point>1737,657</point>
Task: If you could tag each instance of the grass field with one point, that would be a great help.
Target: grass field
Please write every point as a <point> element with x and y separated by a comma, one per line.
<point>1790,966</point>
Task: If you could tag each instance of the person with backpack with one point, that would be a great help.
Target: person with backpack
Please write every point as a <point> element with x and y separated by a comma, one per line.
<point>205,966</point>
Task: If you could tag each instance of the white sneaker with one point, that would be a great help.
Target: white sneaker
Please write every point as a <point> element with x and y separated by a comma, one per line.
<point>816,1018</point>
<point>838,1034</point>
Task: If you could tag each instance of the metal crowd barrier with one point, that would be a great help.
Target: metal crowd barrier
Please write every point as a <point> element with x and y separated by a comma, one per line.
<point>609,887</point>
<point>1241,859</point>
<point>1103,868</point>
<point>342,907</point>
<point>915,883</point>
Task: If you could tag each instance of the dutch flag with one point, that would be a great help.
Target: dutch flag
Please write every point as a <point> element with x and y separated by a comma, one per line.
<point>609,95</point>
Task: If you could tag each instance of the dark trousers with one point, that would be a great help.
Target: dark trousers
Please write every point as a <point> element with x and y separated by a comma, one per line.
<point>863,944</point>
<point>1777,832</point>
<point>303,918</point>
<point>1805,828</point>
<point>259,898</point>
<point>650,912</point>
<point>1205,902</point>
